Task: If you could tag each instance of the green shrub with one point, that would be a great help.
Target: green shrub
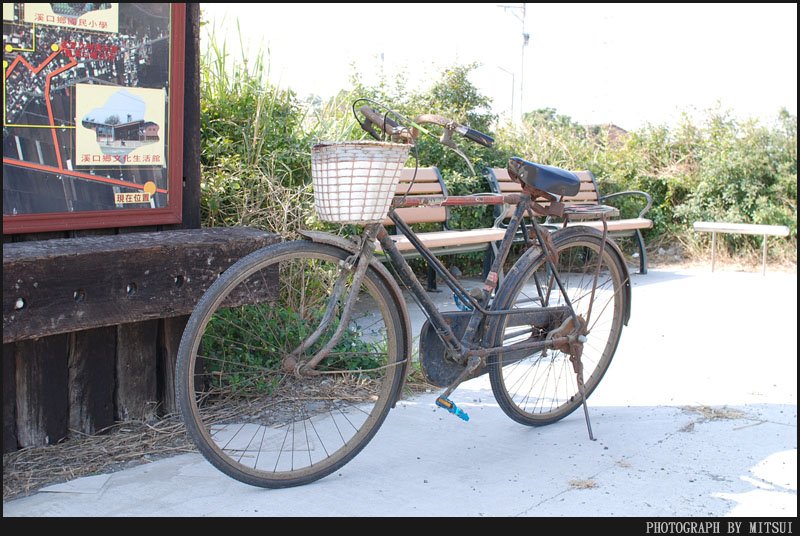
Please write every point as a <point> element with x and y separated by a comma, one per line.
<point>256,144</point>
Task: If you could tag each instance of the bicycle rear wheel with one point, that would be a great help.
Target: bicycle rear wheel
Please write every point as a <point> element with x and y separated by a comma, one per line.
<point>541,388</point>
<point>256,420</point>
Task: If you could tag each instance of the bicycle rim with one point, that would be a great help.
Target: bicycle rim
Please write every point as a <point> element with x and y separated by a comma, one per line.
<point>253,418</point>
<point>542,388</point>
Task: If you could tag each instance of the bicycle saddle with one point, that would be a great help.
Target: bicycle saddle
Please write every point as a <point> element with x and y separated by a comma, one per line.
<point>550,179</point>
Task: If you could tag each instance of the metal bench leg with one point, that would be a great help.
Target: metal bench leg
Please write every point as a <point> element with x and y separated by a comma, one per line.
<point>488,259</point>
<point>642,253</point>
<point>713,249</point>
<point>431,280</point>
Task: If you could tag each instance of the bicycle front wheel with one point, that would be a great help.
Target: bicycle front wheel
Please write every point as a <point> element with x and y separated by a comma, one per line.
<point>250,415</point>
<point>542,388</point>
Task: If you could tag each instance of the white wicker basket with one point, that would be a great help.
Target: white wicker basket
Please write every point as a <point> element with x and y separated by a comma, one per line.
<point>355,181</point>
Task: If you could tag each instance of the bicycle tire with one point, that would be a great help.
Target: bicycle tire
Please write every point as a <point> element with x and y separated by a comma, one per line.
<point>541,388</point>
<point>256,420</point>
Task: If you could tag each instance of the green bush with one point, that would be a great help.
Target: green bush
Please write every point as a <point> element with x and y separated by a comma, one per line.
<point>256,144</point>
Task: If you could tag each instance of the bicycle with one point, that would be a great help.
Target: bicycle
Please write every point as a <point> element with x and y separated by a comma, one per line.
<point>292,359</point>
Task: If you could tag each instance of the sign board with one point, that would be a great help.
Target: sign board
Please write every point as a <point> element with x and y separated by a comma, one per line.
<point>92,115</point>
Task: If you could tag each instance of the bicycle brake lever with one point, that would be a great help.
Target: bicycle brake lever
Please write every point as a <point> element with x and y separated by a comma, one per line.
<point>455,148</point>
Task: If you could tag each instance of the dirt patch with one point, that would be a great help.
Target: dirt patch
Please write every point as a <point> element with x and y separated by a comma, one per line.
<point>715,414</point>
<point>583,484</point>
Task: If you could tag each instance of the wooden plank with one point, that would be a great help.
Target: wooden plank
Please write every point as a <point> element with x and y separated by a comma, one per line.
<point>741,228</point>
<point>446,239</point>
<point>58,286</point>
<point>41,384</point>
<point>169,339</point>
<point>581,197</point>
<point>616,225</point>
<point>91,380</point>
<point>404,188</point>
<point>136,395</point>
<point>9,399</point>
<point>424,174</point>
<point>412,215</point>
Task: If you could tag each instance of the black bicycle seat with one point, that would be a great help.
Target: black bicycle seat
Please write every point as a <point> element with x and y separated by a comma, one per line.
<point>550,179</point>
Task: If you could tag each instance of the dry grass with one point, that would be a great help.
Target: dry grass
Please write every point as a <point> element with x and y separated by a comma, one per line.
<point>120,446</point>
<point>690,250</point>
<point>715,414</point>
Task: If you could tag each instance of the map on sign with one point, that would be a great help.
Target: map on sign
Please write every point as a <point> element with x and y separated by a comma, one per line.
<point>85,107</point>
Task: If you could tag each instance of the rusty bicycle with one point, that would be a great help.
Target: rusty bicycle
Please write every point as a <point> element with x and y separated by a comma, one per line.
<point>293,358</point>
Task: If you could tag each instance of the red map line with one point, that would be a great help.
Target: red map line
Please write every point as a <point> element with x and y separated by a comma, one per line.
<point>34,70</point>
<point>48,78</point>
<point>50,106</point>
<point>87,176</point>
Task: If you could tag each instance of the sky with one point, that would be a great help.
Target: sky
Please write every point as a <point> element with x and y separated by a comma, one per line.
<point>627,64</point>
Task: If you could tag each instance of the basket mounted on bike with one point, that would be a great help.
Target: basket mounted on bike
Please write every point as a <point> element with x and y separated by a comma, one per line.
<point>355,181</point>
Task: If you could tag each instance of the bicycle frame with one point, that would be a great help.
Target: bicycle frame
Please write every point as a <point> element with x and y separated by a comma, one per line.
<point>471,344</point>
<point>473,347</point>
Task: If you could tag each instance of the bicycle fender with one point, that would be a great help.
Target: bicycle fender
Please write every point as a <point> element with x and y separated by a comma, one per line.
<point>620,259</point>
<point>386,278</point>
<point>528,257</point>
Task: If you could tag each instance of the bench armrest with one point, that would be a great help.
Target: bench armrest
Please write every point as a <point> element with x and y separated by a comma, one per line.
<point>631,192</point>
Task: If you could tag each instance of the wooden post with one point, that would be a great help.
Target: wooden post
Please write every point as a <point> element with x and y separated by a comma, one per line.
<point>764,256</point>
<point>9,399</point>
<point>41,384</point>
<point>91,380</point>
<point>169,339</point>
<point>191,121</point>
<point>136,394</point>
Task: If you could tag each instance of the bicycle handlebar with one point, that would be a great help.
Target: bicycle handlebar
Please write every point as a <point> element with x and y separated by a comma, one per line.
<point>393,129</point>
<point>469,133</point>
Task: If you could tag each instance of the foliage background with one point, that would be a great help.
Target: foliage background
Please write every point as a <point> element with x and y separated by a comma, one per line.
<point>257,139</point>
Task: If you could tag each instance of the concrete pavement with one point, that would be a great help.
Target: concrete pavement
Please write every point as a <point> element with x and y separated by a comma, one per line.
<point>697,416</point>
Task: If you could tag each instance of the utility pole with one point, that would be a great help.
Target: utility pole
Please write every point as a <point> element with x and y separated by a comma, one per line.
<point>519,13</point>
<point>513,84</point>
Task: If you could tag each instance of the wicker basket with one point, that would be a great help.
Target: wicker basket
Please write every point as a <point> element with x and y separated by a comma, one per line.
<point>355,181</point>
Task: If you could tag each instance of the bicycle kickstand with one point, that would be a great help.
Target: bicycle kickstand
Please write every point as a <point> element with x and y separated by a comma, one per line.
<point>578,366</point>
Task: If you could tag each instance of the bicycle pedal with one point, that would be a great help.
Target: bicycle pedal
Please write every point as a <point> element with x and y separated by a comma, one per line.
<point>450,406</point>
<point>462,306</point>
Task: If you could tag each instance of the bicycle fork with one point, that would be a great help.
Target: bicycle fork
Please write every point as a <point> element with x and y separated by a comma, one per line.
<point>355,265</point>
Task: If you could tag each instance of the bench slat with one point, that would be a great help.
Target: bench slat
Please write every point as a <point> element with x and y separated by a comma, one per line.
<point>617,225</point>
<point>412,215</point>
<point>427,174</point>
<point>742,228</point>
<point>425,188</point>
<point>446,239</point>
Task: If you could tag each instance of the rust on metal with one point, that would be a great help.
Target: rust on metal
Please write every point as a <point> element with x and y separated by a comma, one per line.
<point>455,200</point>
<point>550,249</point>
<point>491,282</point>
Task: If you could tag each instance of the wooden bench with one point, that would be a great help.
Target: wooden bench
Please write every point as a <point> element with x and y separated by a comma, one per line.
<point>501,182</point>
<point>445,241</point>
<point>740,228</point>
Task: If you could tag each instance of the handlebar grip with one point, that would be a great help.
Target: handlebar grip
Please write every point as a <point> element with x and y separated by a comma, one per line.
<point>477,137</point>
